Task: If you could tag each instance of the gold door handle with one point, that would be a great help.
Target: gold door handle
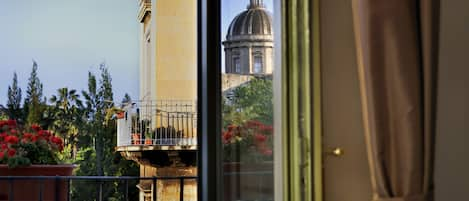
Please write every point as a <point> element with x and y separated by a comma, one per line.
<point>337,152</point>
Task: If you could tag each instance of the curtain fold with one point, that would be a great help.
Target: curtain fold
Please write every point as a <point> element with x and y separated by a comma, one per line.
<point>397,51</point>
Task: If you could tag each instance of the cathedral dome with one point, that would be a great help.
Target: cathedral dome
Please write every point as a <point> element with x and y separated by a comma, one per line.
<point>253,23</point>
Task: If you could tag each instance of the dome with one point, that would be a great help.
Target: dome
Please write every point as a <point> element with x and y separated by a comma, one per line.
<point>255,21</point>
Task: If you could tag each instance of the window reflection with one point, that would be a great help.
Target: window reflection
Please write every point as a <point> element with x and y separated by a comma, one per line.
<point>247,135</point>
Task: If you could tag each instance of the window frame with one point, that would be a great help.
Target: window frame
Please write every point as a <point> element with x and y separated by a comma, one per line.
<point>297,171</point>
<point>209,154</point>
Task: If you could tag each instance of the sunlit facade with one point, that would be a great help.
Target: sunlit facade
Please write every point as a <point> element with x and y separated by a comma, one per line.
<point>159,131</point>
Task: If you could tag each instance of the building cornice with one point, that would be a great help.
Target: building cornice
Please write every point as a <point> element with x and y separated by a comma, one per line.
<point>243,44</point>
<point>249,37</point>
<point>144,9</point>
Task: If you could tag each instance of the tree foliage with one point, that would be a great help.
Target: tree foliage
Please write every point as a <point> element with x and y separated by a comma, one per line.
<point>13,107</point>
<point>250,101</point>
<point>247,121</point>
<point>67,114</point>
<point>34,102</point>
<point>100,158</point>
<point>126,99</point>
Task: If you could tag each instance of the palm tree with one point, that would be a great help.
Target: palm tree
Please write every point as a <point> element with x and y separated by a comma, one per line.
<point>67,106</point>
<point>94,120</point>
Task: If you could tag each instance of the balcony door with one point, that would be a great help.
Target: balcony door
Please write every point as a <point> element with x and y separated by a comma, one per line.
<point>346,173</point>
<point>236,100</point>
<point>321,151</point>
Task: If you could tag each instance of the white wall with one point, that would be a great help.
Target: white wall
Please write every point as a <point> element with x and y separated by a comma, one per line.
<point>452,154</point>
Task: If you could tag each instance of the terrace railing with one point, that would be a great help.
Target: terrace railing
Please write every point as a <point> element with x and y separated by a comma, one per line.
<point>61,188</point>
<point>162,122</point>
<point>125,188</point>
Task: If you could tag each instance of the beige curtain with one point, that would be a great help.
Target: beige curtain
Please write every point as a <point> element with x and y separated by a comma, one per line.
<point>397,42</point>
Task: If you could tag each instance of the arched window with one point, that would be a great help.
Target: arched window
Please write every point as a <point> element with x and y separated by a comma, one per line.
<point>258,64</point>
<point>236,65</point>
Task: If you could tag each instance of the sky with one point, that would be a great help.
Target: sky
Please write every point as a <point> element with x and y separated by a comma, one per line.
<point>68,38</point>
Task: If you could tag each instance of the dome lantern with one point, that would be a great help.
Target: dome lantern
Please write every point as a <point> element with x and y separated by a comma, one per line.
<point>256,4</point>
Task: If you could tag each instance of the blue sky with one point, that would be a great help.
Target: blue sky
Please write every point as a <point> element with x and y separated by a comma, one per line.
<point>68,38</point>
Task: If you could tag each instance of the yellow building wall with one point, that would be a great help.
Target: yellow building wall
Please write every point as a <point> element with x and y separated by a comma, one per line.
<point>175,34</point>
<point>145,60</point>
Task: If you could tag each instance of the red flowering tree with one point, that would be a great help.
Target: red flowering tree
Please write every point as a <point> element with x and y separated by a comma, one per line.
<point>250,141</point>
<point>247,121</point>
<point>23,146</point>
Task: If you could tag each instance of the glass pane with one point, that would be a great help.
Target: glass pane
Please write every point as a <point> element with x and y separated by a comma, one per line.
<point>257,64</point>
<point>237,65</point>
<point>247,67</point>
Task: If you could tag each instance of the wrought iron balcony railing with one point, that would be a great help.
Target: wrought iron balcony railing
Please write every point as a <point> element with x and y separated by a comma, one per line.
<point>61,188</point>
<point>256,185</point>
<point>158,123</point>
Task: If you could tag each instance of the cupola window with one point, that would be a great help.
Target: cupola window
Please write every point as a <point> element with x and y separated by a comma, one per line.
<point>258,64</point>
<point>237,65</point>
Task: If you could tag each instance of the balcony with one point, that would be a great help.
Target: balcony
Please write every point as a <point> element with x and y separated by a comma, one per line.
<point>157,125</point>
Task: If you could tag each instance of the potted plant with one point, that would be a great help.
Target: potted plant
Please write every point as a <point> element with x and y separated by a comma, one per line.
<point>136,139</point>
<point>247,147</point>
<point>136,136</point>
<point>120,114</point>
<point>116,112</point>
<point>31,151</point>
<point>147,131</point>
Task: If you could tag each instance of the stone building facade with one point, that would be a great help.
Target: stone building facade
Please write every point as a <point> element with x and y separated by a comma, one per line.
<point>249,42</point>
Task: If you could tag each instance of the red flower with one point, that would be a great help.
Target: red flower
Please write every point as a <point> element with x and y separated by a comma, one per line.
<point>56,140</point>
<point>41,133</point>
<point>36,127</point>
<point>27,136</point>
<point>11,153</point>
<point>231,127</point>
<point>253,124</point>
<point>227,136</point>
<point>269,129</point>
<point>11,139</point>
<point>13,131</point>
<point>267,152</point>
<point>261,138</point>
<point>45,134</point>
<point>11,123</point>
